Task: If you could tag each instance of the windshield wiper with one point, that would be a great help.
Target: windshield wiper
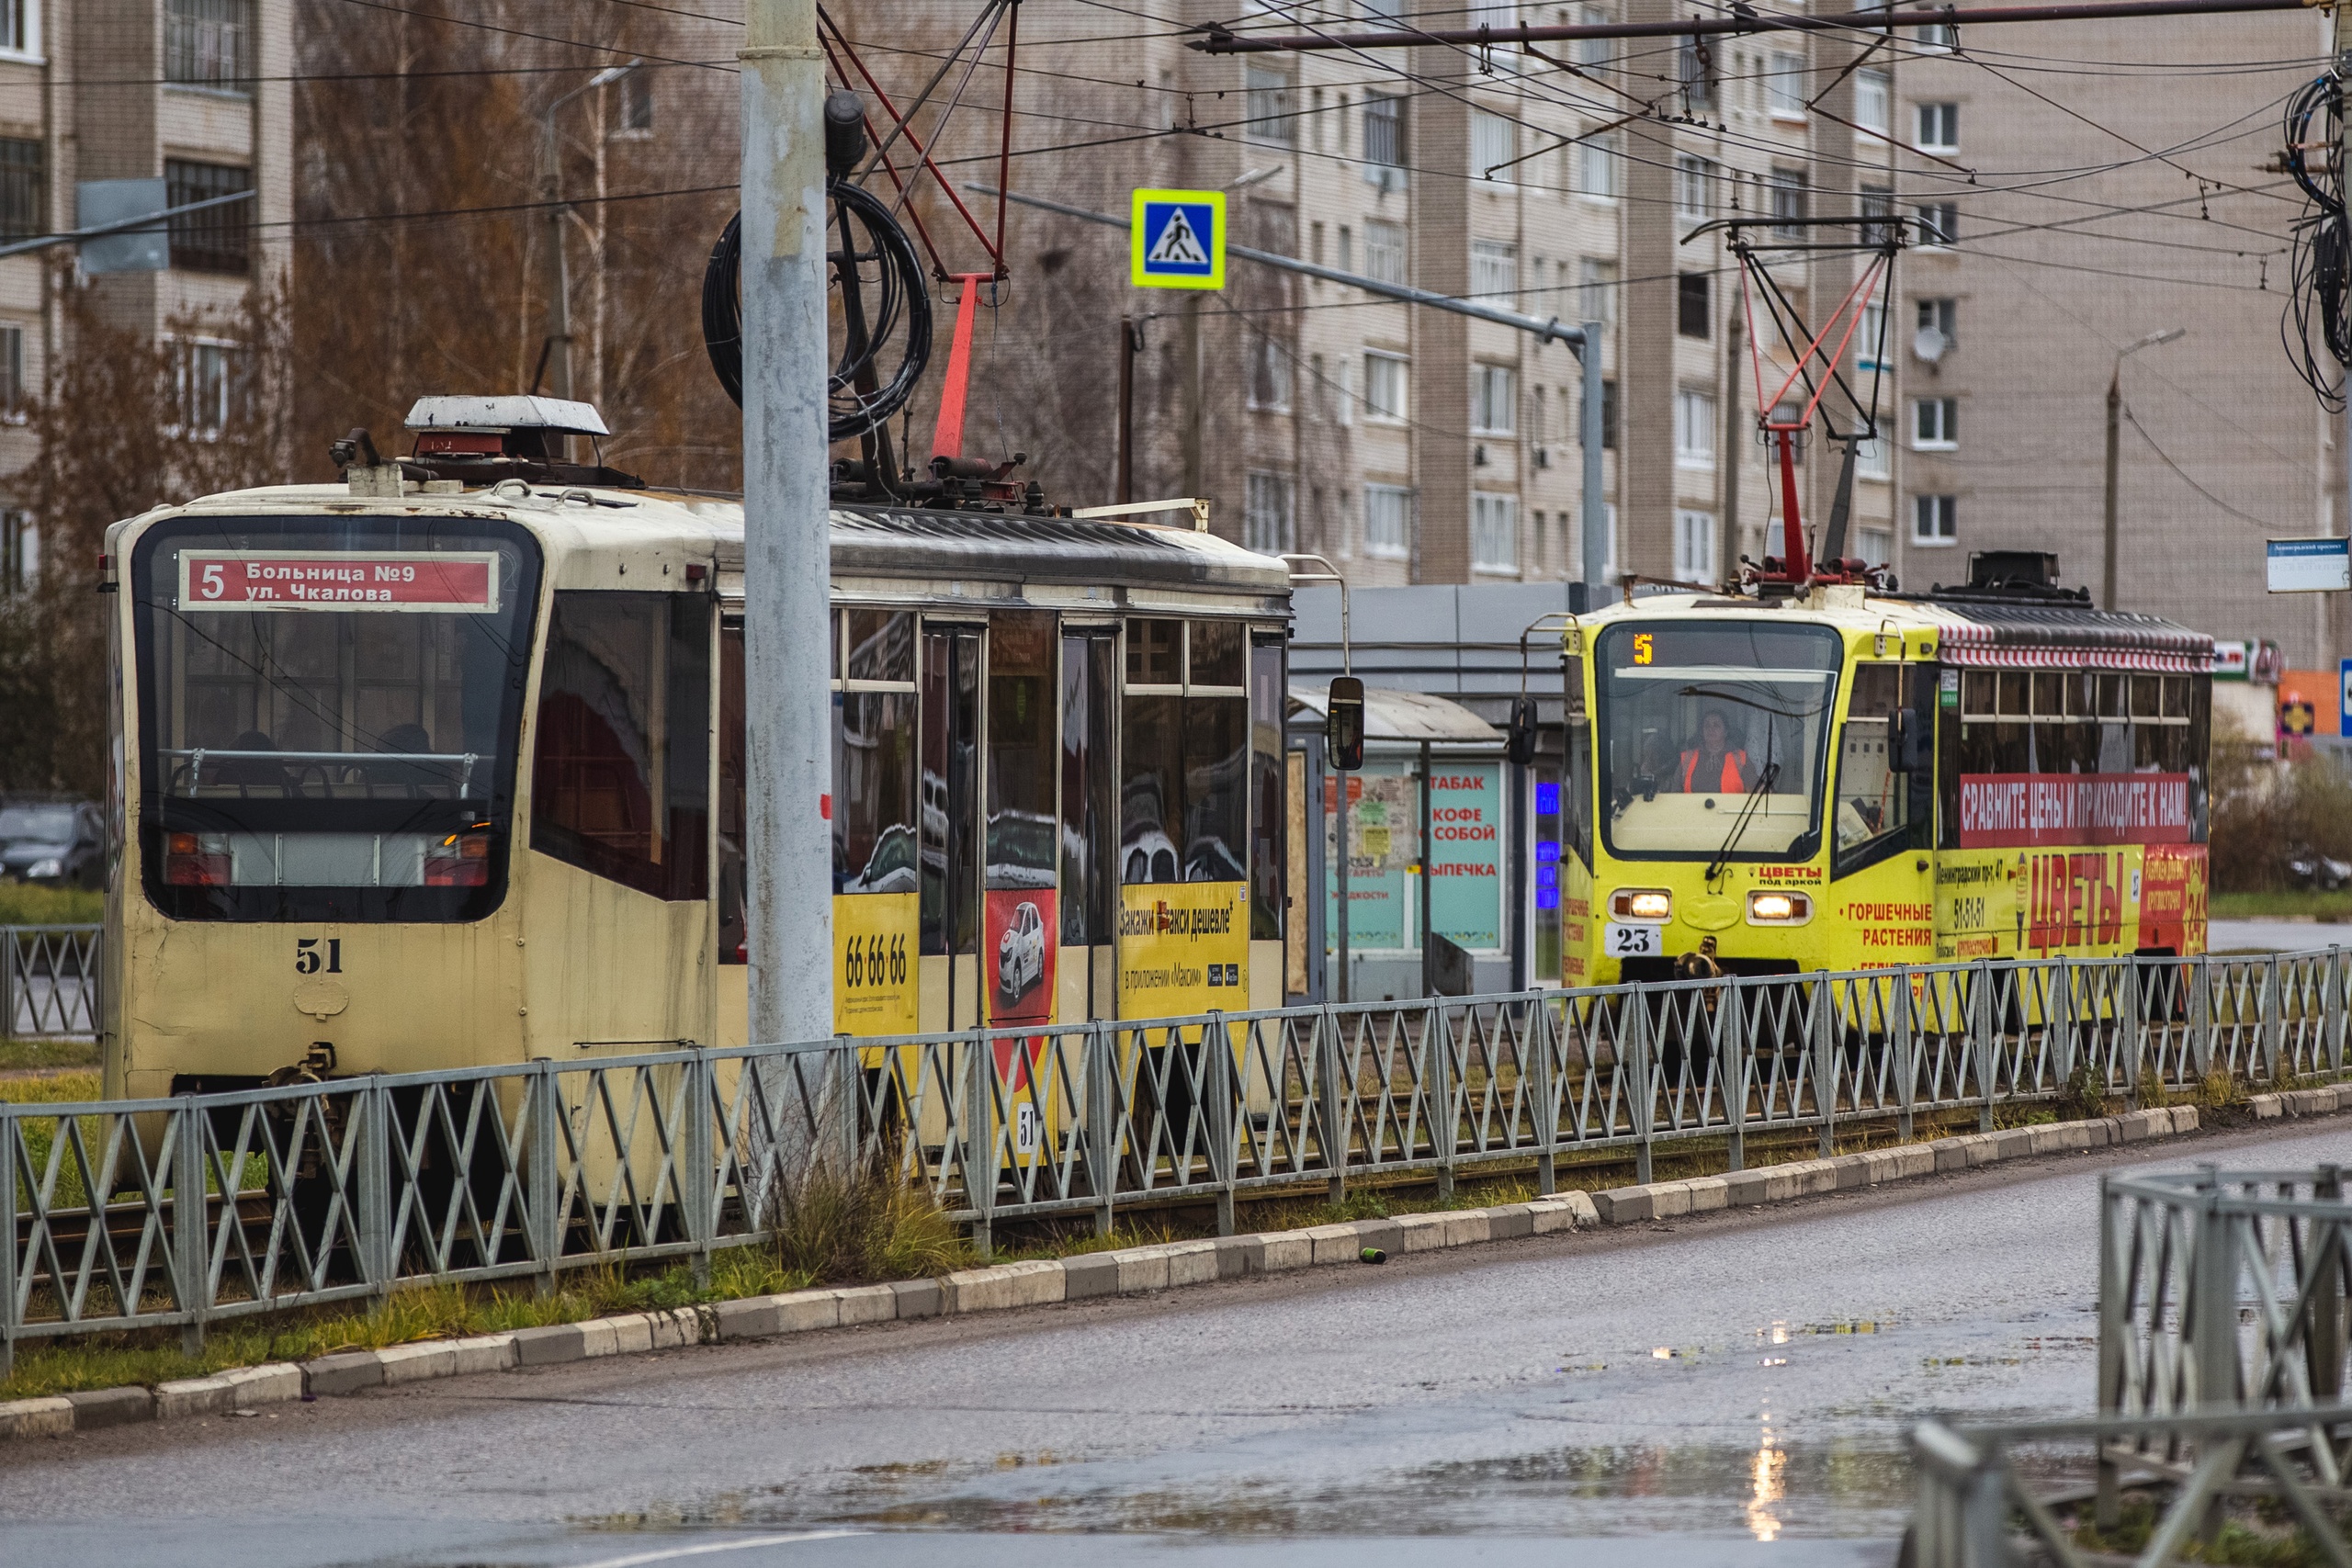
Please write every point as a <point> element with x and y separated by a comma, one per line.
<point>1764,780</point>
<point>1751,701</point>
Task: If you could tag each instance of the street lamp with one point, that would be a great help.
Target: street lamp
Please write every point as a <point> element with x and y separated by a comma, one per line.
<point>2114,426</point>
<point>557,352</point>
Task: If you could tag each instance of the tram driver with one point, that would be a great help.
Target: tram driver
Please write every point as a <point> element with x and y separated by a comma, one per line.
<point>1713,764</point>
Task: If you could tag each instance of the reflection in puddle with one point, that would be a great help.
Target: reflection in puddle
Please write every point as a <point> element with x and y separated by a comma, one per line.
<point>1764,1484</point>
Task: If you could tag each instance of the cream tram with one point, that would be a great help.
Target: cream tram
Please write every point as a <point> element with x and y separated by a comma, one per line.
<point>444,766</point>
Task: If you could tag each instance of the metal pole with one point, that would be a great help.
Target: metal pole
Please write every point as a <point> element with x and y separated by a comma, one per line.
<point>788,562</point>
<point>1347,986</point>
<point>1195,462</point>
<point>1127,409</point>
<point>558,285</point>
<point>2114,430</point>
<point>1596,500</point>
<point>8,1324</point>
<point>1429,955</point>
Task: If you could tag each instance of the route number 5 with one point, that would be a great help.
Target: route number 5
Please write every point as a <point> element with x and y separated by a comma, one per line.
<point>212,584</point>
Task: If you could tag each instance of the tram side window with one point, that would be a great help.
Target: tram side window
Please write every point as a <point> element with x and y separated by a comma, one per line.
<point>1022,750</point>
<point>1184,796</point>
<point>734,797</point>
<point>1269,837</point>
<point>620,781</point>
<point>1875,800</point>
<point>873,753</point>
<point>1090,685</point>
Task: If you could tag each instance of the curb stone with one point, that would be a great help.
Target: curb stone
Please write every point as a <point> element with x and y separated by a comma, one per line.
<point>1121,1272</point>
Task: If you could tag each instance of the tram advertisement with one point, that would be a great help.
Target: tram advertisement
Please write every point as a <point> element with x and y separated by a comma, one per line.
<point>1183,948</point>
<point>874,964</point>
<point>1018,941</point>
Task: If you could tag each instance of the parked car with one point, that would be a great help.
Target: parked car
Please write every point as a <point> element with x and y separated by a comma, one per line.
<point>1020,956</point>
<point>59,842</point>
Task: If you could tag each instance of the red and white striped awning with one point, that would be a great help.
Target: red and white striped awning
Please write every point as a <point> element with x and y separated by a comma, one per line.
<point>2036,638</point>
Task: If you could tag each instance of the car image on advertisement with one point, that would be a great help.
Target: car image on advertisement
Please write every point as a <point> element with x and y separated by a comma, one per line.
<point>1020,956</point>
<point>62,843</point>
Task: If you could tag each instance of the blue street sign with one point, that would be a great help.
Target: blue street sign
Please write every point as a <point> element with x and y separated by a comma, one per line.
<point>1176,239</point>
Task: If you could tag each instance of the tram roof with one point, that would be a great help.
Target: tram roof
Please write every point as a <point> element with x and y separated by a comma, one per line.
<point>866,542</point>
<point>1979,630</point>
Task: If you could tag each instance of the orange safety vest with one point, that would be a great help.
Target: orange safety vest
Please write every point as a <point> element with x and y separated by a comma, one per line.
<point>1734,780</point>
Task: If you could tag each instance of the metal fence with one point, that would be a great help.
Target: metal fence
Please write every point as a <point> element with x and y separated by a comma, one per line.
<point>49,982</point>
<point>319,1191</point>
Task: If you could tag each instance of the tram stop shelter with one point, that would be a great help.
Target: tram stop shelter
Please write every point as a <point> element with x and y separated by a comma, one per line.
<point>1417,924</point>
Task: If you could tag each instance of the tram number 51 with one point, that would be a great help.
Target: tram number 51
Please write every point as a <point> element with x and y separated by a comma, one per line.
<point>308,960</point>
<point>876,960</point>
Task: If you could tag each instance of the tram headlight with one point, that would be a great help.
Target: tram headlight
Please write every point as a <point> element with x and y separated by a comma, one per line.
<point>461,860</point>
<point>196,859</point>
<point>1640,904</point>
<point>1778,909</point>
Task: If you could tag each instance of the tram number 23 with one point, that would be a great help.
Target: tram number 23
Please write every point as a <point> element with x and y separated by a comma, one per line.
<point>310,959</point>
<point>1631,942</point>
<point>877,960</point>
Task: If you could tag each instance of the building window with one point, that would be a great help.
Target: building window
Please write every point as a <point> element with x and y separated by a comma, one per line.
<point>1872,105</point>
<point>1266,107</point>
<point>1344,392</point>
<point>1609,416</point>
<point>1494,272</point>
<point>1387,521</point>
<point>215,240</point>
<point>1694,547</point>
<point>1384,386</point>
<point>1695,69</point>
<point>205,42</point>
<point>1347,248</point>
<point>12,373</point>
<point>1597,280</point>
<point>1937,127</point>
<point>20,552</point>
<point>1935,520</point>
<point>1870,459</point>
<point>637,103</point>
<point>1597,165</point>
<point>1384,252</point>
<point>1695,430</point>
<point>1269,374</point>
<point>1875,546</point>
<point>1268,523</point>
<point>24,188</point>
<point>1693,186</point>
<point>1791,200</point>
<point>1383,135</point>
<point>19,27</point>
<point>1938,223</point>
<point>1593,52</point>
<point>1693,305</point>
<point>1940,316</point>
<point>1936,38</point>
<point>1869,339</point>
<point>1876,203</point>
<point>1494,400</point>
<point>208,382</point>
<point>1494,143</point>
<point>1494,531</point>
<point>1935,424</point>
<point>1784,85</point>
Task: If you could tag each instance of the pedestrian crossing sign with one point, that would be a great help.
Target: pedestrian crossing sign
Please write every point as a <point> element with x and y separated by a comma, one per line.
<point>1176,240</point>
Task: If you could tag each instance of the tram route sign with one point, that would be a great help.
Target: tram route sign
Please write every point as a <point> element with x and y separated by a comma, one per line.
<point>432,581</point>
<point>1176,239</point>
<point>2309,566</point>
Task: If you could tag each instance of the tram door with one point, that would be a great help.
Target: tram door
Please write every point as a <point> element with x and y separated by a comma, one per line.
<point>954,660</point>
<point>1089,820</point>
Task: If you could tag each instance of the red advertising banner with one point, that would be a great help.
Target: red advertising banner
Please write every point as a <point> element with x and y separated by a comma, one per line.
<point>2018,811</point>
<point>431,581</point>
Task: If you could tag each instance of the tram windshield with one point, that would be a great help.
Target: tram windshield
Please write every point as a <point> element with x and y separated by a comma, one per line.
<point>1713,738</point>
<point>328,713</point>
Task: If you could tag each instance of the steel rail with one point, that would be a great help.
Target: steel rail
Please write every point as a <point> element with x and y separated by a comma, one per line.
<point>1220,39</point>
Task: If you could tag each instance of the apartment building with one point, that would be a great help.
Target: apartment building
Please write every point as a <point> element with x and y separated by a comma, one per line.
<point>192,93</point>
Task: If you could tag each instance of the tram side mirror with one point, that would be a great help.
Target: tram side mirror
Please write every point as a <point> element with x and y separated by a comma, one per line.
<point>1343,724</point>
<point>1519,744</point>
<point>1905,752</point>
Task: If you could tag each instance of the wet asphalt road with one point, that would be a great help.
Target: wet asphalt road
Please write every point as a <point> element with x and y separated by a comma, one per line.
<point>2275,936</point>
<point>1729,1390</point>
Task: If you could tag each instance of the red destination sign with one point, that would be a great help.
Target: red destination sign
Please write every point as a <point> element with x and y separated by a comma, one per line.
<point>2016,810</point>
<point>455,581</point>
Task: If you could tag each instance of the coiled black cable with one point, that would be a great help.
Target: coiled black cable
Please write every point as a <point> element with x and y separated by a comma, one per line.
<point>857,399</point>
<point>2315,320</point>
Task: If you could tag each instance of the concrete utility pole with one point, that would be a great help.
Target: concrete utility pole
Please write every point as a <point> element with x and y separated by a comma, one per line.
<point>786,555</point>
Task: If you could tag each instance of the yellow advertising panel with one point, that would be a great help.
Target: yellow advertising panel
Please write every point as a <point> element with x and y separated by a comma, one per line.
<point>874,964</point>
<point>1183,948</point>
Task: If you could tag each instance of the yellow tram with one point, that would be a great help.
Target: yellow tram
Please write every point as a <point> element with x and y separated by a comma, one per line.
<point>1842,777</point>
<point>445,766</point>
